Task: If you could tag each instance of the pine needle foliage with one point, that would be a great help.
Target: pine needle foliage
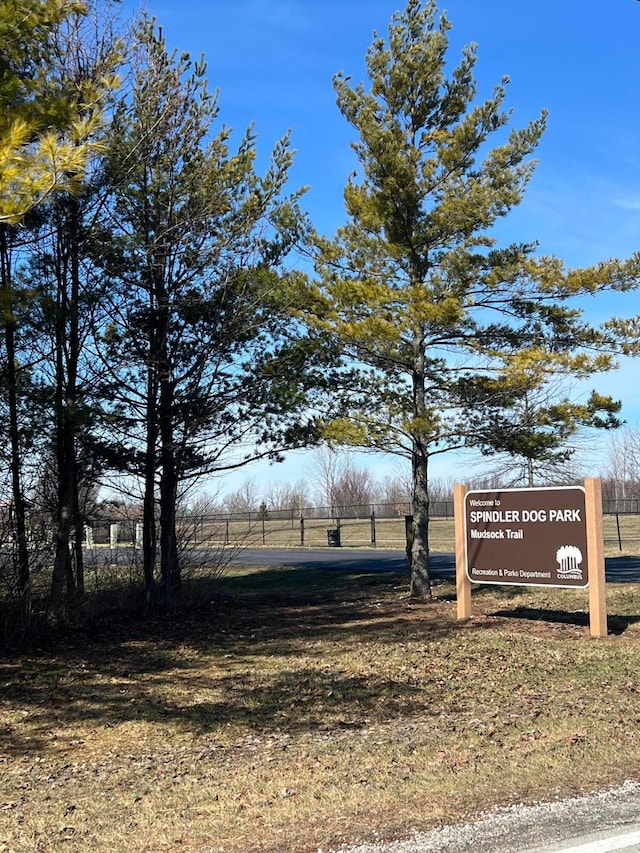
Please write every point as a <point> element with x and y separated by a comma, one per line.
<point>444,331</point>
<point>47,129</point>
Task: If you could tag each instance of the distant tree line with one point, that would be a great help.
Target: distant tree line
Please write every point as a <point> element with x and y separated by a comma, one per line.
<point>333,482</point>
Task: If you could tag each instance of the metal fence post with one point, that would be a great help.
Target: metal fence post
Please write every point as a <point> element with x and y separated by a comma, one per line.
<point>301,529</point>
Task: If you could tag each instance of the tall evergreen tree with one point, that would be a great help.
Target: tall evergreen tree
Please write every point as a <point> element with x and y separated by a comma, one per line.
<point>83,56</point>
<point>438,323</point>
<point>209,363</point>
<point>48,124</point>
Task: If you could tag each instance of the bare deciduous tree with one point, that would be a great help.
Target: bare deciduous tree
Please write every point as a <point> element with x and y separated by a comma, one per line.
<point>244,499</point>
<point>288,496</point>
<point>621,474</point>
<point>353,492</point>
<point>325,469</point>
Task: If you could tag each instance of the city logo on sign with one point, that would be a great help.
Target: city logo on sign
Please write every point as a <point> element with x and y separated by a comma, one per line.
<point>569,559</point>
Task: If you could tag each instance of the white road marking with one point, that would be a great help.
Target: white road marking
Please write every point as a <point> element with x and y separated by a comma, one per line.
<point>629,841</point>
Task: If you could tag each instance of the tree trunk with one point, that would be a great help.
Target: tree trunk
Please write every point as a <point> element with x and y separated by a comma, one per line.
<point>530,473</point>
<point>156,332</point>
<point>78,555</point>
<point>62,565</point>
<point>420,579</point>
<point>19,508</point>
<point>169,563</point>
<point>74,346</point>
<point>149,500</point>
<point>67,336</point>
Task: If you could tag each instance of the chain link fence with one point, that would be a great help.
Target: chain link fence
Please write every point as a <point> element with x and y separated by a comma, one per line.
<point>374,525</point>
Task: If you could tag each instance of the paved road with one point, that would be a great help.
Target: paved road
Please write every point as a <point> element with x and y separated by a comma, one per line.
<point>618,569</point>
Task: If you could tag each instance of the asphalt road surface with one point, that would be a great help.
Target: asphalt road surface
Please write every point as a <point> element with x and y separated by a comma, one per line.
<point>617,569</point>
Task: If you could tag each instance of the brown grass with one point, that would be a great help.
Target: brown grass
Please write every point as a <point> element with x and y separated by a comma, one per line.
<point>621,534</point>
<point>302,709</point>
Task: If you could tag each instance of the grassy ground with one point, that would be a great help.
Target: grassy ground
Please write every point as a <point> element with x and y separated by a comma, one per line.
<point>621,533</point>
<point>295,710</point>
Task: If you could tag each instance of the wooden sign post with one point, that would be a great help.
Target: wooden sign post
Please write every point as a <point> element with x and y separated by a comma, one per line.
<point>463,584</point>
<point>595,555</point>
<point>540,536</point>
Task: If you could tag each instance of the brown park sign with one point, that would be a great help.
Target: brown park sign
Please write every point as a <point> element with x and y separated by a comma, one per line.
<point>527,536</point>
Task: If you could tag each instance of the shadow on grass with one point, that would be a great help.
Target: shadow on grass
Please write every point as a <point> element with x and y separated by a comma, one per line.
<point>224,661</point>
<point>328,581</point>
<point>52,706</point>
<point>616,624</point>
<point>247,654</point>
<point>623,569</point>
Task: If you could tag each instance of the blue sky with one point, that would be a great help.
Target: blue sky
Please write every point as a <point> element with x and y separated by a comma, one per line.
<point>273,62</point>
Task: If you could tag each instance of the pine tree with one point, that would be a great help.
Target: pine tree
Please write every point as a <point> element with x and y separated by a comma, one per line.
<point>48,124</point>
<point>210,369</point>
<point>438,324</point>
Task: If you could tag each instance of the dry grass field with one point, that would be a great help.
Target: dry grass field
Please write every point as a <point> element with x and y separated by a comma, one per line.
<point>622,533</point>
<point>296,710</point>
